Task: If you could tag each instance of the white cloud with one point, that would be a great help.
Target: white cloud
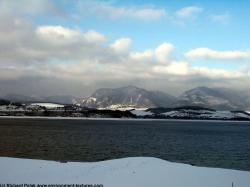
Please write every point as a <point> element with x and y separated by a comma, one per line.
<point>110,11</point>
<point>189,12</point>
<point>221,18</point>
<point>31,7</point>
<point>206,53</point>
<point>59,32</point>
<point>146,56</point>
<point>147,14</point>
<point>61,35</point>
<point>213,73</point>
<point>122,45</point>
<point>163,52</point>
<point>183,69</point>
<point>55,52</point>
<point>95,37</point>
<point>174,68</point>
<point>92,58</point>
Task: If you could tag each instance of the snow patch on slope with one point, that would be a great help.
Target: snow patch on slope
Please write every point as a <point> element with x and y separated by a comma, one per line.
<point>122,107</point>
<point>141,112</point>
<point>221,114</point>
<point>90,100</point>
<point>48,105</point>
<point>205,114</point>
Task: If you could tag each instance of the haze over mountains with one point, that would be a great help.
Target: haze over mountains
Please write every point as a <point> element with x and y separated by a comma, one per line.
<point>215,98</point>
<point>63,99</point>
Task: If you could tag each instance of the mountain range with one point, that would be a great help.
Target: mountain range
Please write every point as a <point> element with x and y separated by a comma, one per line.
<point>132,96</point>
<point>128,96</point>
<point>215,98</point>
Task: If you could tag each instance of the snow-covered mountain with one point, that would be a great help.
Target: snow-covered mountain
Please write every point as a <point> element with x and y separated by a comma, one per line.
<point>216,98</point>
<point>134,97</point>
<point>129,96</point>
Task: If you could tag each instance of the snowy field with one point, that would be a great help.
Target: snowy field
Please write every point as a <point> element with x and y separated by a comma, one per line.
<point>126,172</point>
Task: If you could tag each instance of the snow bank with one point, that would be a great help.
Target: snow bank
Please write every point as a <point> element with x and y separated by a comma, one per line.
<point>206,114</point>
<point>121,107</point>
<point>136,171</point>
<point>48,105</point>
<point>141,112</point>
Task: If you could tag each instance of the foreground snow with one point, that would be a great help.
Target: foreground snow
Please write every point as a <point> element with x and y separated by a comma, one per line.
<point>137,171</point>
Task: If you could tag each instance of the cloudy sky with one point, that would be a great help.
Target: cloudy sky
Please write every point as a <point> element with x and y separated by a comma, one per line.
<point>73,47</point>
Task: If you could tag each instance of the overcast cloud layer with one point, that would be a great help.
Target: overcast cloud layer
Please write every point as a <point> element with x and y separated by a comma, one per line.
<point>49,59</point>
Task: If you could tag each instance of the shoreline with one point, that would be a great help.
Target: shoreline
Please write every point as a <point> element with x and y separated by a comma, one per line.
<point>120,119</point>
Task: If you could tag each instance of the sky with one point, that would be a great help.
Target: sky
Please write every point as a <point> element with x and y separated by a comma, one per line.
<point>72,47</point>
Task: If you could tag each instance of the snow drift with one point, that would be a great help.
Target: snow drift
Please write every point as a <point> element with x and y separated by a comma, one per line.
<point>135,171</point>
